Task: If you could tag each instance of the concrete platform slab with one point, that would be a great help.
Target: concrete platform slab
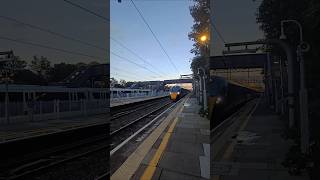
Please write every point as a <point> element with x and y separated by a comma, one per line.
<point>180,149</point>
<point>171,175</point>
<point>258,150</point>
<point>182,163</point>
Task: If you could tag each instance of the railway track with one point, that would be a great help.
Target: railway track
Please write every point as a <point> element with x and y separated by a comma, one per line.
<point>36,156</point>
<point>24,158</point>
<point>125,139</point>
<point>131,126</point>
<point>131,116</point>
<point>119,111</point>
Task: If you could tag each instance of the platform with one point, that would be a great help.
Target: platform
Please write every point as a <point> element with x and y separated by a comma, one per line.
<point>177,149</point>
<point>123,101</point>
<point>256,150</point>
<point>27,129</point>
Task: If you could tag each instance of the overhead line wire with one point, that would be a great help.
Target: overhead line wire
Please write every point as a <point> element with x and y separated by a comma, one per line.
<point>116,74</point>
<point>145,61</point>
<point>52,32</point>
<point>127,72</point>
<point>49,47</point>
<point>87,10</point>
<point>154,35</point>
<point>126,59</point>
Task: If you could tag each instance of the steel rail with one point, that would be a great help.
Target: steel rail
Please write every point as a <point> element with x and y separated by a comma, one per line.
<point>119,146</point>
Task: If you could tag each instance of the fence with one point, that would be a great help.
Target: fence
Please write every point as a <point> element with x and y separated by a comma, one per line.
<point>46,110</point>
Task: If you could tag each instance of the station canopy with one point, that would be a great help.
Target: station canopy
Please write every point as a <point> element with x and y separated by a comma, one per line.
<point>239,61</point>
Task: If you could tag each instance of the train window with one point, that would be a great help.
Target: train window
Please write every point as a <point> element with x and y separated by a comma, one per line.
<point>175,88</point>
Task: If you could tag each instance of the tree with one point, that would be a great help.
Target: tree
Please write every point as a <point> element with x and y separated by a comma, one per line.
<point>41,66</point>
<point>113,82</point>
<point>197,62</point>
<point>60,71</point>
<point>28,77</point>
<point>81,64</point>
<point>123,83</point>
<point>94,63</point>
<point>19,64</point>
<point>200,12</point>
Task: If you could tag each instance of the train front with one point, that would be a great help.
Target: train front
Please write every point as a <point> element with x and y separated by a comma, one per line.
<point>175,93</point>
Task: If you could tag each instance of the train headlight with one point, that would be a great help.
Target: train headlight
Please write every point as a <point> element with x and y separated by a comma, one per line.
<point>219,100</point>
<point>178,93</point>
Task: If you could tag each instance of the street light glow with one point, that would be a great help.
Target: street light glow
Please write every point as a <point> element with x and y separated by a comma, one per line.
<point>203,38</point>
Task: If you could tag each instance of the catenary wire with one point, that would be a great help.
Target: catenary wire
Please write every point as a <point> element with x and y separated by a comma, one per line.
<point>52,32</point>
<point>154,35</point>
<point>87,10</point>
<point>49,47</point>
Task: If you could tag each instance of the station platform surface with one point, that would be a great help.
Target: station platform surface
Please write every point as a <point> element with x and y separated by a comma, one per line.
<point>27,129</point>
<point>256,151</point>
<point>177,149</point>
<point>123,101</point>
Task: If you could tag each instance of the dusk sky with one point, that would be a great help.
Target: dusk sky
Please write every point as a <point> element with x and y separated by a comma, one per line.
<point>171,22</point>
<point>236,21</point>
<point>60,17</point>
<point>169,19</point>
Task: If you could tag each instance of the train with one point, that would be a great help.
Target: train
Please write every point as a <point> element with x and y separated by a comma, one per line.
<point>176,92</point>
<point>226,97</point>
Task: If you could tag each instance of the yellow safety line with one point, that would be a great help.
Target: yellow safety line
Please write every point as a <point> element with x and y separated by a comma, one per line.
<point>148,173</point>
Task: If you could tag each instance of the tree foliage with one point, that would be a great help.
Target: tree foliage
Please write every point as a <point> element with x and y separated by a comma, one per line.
<point>60,71</point>
<point>40,65</point>
<point>307,12</point>
<point>200,12</point>
<point>19,64</point>
<point>113,82</point>
<point>39,70</point>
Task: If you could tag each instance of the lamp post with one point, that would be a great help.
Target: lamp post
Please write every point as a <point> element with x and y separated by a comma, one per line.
<point>204,40</point>
<point>205,103</point>
<point>303,94</point>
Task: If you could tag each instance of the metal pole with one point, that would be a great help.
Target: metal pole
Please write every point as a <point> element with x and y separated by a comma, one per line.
<point>281,86</point>
<point>204,88</point>
<point>303,94</point>
<point>269,76</point>
<point>303,97</point>
<point>205,103</point>
<point>290,58</point>
<point>7,99</point>
<point>200,90</point>
<point>276,103</point>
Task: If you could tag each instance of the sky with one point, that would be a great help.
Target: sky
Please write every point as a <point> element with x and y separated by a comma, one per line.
<point>236,22</point>
<point>170,20</point>
<point>59,17</point>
